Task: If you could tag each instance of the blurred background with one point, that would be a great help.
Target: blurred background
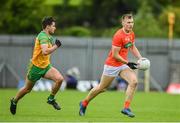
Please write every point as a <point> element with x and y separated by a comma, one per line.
<point>85,28</point>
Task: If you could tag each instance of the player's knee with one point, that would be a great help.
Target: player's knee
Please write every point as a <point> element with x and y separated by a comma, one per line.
<point>99,89</point>
<point>59,79</point>
<point>134,82</point>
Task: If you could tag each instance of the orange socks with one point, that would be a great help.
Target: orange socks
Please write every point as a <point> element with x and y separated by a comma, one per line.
<point>127,104</point>
<point>85,103</point>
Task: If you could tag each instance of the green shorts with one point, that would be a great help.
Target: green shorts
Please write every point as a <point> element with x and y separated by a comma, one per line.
<point>35,73</point>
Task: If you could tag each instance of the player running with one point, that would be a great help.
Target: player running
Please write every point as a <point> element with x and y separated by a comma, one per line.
<point>117,64</point>
<point>40,65</point>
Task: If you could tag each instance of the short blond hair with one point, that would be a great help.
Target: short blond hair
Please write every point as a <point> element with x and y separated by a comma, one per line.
<point>128,16</point>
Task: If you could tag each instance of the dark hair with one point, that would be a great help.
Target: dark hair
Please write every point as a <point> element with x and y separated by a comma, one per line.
<point>129,16</point>
<point>47,21</point>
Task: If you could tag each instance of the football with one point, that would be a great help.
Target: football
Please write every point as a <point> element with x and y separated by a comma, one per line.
<point>143,64</point>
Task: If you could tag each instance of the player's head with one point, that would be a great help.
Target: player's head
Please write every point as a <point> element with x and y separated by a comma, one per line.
<point>127,22</point>
<point>48,23</point>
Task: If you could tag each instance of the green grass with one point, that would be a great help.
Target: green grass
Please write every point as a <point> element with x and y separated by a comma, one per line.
<point>60,2</point>
<point>104,108</point>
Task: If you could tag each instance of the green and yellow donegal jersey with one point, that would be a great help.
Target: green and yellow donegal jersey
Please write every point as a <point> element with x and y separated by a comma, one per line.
<point>38,58</point>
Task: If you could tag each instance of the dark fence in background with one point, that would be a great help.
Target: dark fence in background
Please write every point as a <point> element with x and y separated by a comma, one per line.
<point>88,54</point>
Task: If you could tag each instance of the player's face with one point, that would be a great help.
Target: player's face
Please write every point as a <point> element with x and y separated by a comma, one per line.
<point>128,24</point>
<point>52,28</point>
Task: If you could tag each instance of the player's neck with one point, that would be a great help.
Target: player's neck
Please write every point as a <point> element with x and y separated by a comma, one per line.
<point>126,31</point>
<point>46,31</point>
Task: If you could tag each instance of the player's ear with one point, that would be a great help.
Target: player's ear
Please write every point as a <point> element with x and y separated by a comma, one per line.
<point>122,22</point>
<point>48,26</point>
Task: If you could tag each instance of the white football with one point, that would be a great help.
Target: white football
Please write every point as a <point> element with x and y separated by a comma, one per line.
<point>143,64</point>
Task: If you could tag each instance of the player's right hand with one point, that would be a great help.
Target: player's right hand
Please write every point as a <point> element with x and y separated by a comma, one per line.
<point>132,65</point>
<point>58,43</point>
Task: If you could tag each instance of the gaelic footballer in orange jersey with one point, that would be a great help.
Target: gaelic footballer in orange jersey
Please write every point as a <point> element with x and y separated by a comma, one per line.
<point>117,64</point>
<point>123,40</point>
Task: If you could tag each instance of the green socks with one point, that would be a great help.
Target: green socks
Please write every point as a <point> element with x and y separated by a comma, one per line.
<point>14,101</point>
<point>51,97</point>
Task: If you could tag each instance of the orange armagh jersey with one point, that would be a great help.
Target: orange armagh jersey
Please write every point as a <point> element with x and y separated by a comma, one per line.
<point>123,40</point>
<point>38,58</point>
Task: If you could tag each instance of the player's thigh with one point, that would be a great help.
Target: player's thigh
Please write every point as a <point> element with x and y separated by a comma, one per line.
<point>105,81</point>
<point>53,74</point>
<point>128,75</point>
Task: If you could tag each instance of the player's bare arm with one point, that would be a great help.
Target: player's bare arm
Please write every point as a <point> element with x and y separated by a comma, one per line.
<point>135,51</point>
<point>46,50</point>
<point>115,54</point>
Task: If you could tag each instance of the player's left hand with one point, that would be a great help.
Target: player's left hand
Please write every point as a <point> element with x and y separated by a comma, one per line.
<point>58,43</point>
<point>132,65</point>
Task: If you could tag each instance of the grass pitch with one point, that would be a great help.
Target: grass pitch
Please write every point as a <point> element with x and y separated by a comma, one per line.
<point>148,107</point>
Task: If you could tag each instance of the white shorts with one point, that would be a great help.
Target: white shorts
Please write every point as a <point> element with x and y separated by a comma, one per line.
<point>113,71</point>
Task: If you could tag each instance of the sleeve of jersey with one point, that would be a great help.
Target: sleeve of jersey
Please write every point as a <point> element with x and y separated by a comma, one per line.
<point>43,39</point>
<point>117,41</point>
